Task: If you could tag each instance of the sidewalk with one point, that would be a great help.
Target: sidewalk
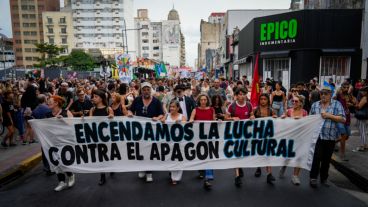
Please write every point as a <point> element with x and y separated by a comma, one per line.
<point>17,160</point>
<point>356,168</point>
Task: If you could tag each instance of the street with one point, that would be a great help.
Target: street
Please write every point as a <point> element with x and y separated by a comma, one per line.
<point>125,189</point>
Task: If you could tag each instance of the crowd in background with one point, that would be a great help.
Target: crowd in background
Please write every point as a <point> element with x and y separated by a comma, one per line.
<point>185,100</point>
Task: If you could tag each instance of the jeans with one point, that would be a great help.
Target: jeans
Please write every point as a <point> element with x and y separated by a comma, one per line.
<point>209,174</point>
<point>321,159</point>
<point>278,107</point>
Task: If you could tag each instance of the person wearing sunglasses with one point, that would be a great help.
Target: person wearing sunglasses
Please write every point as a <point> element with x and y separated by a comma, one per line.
<point>333,113</point>
<point>296,112</point>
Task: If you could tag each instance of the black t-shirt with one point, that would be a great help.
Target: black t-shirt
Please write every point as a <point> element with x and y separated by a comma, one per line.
<point>67,96</point>
<point>154,109</point>
<point>7,107</point>
<point>78,106</point>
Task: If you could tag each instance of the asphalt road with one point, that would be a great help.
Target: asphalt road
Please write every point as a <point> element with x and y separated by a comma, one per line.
<point>125,189</point>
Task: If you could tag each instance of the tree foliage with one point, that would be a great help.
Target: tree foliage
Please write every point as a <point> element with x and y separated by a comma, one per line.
<point>49,54</point>
<point>80,60</point>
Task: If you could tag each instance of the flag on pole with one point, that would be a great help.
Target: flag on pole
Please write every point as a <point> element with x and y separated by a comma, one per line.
<point>256,91</point>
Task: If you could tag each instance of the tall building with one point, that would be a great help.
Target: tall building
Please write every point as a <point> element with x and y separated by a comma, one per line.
<point>326,4</point>
<point>161,41</point>
<point>210,37</point>
<point>26,16</point>
<point>58,30</point>
<point>173,40</point>
<point>6,52</point>
<point>101,24</point>
<point>148,44</point>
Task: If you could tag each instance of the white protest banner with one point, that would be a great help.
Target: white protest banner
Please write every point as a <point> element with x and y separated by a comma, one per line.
<point>122,144</point>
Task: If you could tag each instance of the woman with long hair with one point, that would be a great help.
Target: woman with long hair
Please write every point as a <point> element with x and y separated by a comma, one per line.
<point>264,110</point>
<point>297,112</point>
<point>175,116</point>
<point>101,108</point>
<point>203,112</point>
<point>117,106</point>
<point>217,104</point>
<point>278,100</point>
<point>55,103</point>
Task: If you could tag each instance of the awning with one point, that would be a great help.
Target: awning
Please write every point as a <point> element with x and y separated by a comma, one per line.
<point>338,50</point>
<point>275,54</point>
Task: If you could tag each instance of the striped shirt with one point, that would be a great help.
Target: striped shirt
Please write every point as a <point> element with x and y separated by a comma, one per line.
<point>329,130</point>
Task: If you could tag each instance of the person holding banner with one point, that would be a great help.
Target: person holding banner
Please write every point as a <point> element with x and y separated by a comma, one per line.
<point>264,110</point>
<point>240,109</point>
<point>296,112</point>
<point>203,112</point>
<point>101,108</point>
<point>56,103</point>
<point>146,106</point>
<point>333,113</point>
<point>174,116</point>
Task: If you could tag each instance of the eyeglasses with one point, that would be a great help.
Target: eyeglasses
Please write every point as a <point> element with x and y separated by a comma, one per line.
<point>295,101</point>
<point>324,93</point>
<point>144,110</point>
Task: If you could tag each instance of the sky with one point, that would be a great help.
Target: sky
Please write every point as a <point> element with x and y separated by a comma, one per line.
<point>190,12</point>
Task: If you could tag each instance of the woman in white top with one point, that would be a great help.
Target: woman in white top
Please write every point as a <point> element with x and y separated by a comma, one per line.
<point>205,87</point>
<point>174,116</point>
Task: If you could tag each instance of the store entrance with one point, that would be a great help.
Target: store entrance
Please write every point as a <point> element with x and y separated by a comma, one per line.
<point>277,69</point>
<point>335,67</point>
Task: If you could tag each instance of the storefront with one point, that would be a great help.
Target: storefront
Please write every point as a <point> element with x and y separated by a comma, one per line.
<point>297,46</point>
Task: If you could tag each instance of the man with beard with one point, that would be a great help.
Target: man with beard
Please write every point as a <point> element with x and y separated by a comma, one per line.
<point>146,106</point>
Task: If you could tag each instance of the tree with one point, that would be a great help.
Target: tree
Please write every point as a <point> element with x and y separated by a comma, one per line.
<point>49,53</point>
<point>79,60</point>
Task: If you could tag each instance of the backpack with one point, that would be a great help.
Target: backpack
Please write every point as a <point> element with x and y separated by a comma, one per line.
<point>233,107</point>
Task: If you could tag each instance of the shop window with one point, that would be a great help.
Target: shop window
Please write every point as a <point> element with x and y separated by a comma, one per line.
<point>335,67</point>
<point>278,69</point>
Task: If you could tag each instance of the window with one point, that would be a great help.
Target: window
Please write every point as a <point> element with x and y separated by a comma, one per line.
<point>145,55</point>
<point>32,8</point>
<point>24,7</point>
<point>18,41</point>
<point>144,33</point>
<point>144,26</point>
<point>25,24</point>
<point>51,40</point>
<point>145,48</point>
<point>33,33</point>
<point>145,41</point>
<point>63,30</point>
<point>20,50</point>
<point>28,49</point>
<point>156,48</point>
<point>63,41</point>
<point>33,24</point>
<point>29,58</point>
<point>24,16</point>
<point>32,16</point>
<point>49,20</point>
<point>19,58</point>
<point>335,67</point>
<point>50,30</point>
<point>62,20</point>
<point>26,33</point>
<point>16,33</point>
<point>155,41</point>
<point>278,69</point>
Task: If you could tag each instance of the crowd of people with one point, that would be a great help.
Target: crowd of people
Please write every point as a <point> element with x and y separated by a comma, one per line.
<point>188,100</point>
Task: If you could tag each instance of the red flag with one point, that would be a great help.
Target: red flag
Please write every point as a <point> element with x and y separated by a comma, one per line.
<point>256,90</point>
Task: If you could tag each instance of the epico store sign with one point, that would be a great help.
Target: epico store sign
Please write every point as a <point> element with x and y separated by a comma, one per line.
<point>281,32</point>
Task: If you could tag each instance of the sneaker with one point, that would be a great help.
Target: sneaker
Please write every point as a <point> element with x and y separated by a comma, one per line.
<point>149,178</point>
<point>295,180</point>
<point>238,181</point>
<point>71,181</point>
<point>258,172</point>
<point>141,175</point>
<point>282,172</point>
<point>61,186</point>
<point>270,179</point>
<point>207,185</point>
<point>201,174</point>
<point>313,183</point>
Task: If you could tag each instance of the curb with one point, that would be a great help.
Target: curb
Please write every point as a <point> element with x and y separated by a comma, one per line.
<point>353,176</point>
<point>19,169</point>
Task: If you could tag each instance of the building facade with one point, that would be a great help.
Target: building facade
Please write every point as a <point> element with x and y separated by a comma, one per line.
<point>149,43</point>
<point>294,52</point>
<point>106,25</point>
<point>236,19</point>
<point>326,4</point>
<point>58,30</point>
<point>7,58</point>
<point>26,16</point>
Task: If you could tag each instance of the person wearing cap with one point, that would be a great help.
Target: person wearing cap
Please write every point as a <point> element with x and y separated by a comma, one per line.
<point>148,106</point>
<point>187,104</point>
<point>333,113</point>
